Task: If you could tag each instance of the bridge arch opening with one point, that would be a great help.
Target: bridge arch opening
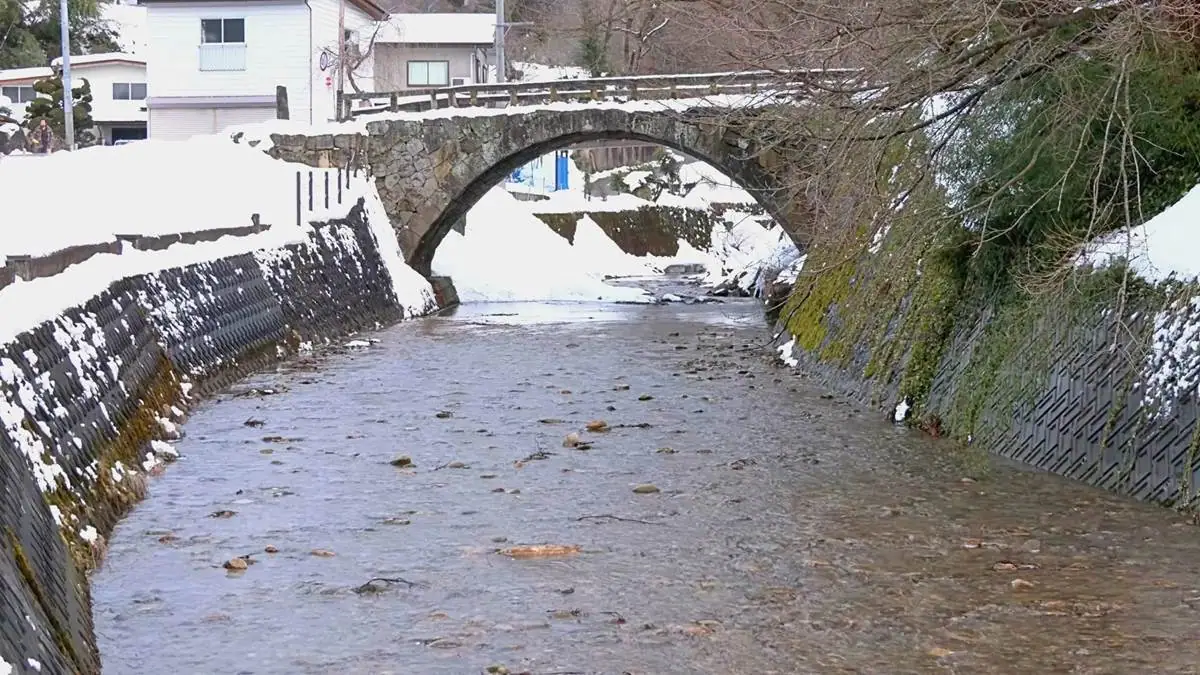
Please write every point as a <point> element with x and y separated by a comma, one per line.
<point>742,169</point>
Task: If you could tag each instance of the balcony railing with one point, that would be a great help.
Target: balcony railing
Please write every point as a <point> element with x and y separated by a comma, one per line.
<point>219,57</point>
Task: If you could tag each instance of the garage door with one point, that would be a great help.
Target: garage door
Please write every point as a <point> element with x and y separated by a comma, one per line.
<point>175,124</point>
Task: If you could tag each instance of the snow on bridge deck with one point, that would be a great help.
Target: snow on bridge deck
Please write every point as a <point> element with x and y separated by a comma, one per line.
<point>690,90</point>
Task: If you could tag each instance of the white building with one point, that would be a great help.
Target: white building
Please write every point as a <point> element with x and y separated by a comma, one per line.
<point>216,63</point>
<point>118,84</point>
<point>419,51</point>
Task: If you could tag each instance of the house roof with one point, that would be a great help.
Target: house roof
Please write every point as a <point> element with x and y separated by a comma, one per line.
<point>84,60</point>
<point>439,29</point>
<point>368,7</point>
<point>24,74</point>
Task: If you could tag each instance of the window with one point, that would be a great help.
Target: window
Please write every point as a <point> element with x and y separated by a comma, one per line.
<point>222,44</point>
<point>222,31</point>
<point>19,94</point>
<point>428,73</point>
<point>129,91</point>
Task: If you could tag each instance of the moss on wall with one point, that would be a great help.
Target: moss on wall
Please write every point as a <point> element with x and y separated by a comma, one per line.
<point>904,308</point>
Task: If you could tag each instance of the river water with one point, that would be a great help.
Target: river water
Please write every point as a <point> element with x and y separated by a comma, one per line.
<point>791,532</point>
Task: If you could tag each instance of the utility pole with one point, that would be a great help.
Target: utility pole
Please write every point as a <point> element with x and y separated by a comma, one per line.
<point>68,97</point>
<point>502,26</point>
<point>501,29</point>
<point>341,59</point>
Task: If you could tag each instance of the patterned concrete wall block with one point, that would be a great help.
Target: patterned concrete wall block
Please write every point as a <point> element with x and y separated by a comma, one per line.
<point>213,317</point>
<point>49,594</point>
<point>332,283</point>
<point>28,632</point>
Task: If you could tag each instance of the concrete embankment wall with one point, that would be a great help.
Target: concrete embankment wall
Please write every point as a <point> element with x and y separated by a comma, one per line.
<point>89,399</point>
<point>1092,376</point>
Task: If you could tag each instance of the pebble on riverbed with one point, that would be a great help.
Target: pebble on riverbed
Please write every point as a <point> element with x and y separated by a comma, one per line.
<point>646,489</point>
<point>402,461</point>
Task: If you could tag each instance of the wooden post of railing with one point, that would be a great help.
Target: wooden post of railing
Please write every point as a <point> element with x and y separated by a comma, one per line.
<point>754,86</point>
<point>512,95</point>
<point>393,102</point>
<point>452,98</point>
<point>474,98</point>
<point>433,102</point>
<point>633,92</point>
<point>553,93</point>
<point>674,93</point>
<point>595,93</point>
<point>713,89</point>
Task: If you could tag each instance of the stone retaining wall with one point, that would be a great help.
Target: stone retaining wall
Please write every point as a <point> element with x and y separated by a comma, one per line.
<point>90,400</point>
<point>649,230</point>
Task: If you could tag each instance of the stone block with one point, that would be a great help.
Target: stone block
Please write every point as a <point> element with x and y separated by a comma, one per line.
<point>323,142</point>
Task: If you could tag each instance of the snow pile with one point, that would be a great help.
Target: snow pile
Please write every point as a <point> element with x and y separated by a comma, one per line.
<point>601,256</point>
<point>212,183</point>
<point>412,290</point>
<point>711,186</point>
<point>1167,245</point>
<point>510,255</point>
<point>752,255</point>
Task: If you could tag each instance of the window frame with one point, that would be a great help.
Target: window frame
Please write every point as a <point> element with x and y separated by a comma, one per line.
<point>19,87</point>
<point>408,78</point>
<point>129,91</point>
<point>223,21</point>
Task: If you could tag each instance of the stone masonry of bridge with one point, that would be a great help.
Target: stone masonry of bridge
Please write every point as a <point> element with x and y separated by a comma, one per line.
<point>430,171</point>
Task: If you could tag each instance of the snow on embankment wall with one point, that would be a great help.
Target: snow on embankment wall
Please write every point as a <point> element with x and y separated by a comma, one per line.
<point>90,400</point>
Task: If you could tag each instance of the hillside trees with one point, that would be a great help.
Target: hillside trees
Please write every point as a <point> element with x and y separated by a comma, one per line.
<point>30,31</point>
<point>1042,123</point>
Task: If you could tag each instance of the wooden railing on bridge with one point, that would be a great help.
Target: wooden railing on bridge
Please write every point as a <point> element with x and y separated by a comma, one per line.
<point>647,87</point>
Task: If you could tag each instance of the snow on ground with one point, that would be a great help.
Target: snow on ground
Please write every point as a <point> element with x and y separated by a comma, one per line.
<point>510,255</point>
<point>574,201</point>
<point>602,255</point>
<point>1166,245</point>
<point>536,72</point>
<point>211,183</point>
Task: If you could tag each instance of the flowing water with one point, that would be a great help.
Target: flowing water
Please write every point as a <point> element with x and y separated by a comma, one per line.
<point>791,532</point>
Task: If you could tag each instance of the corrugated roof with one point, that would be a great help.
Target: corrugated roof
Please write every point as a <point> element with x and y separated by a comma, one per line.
<point>439,29</point>
<point>109,57</point>
<point>19,74</point>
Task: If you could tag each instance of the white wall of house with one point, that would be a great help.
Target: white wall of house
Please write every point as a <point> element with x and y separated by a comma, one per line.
<point>105,106</point>
<point>392,64</point>
<point>17,85</point>
<point>275,52</point>
<point>118,91</point>
<point>325,41</point>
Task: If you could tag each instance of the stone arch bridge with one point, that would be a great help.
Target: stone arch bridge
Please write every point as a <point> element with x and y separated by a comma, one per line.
<point>432,166</point>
